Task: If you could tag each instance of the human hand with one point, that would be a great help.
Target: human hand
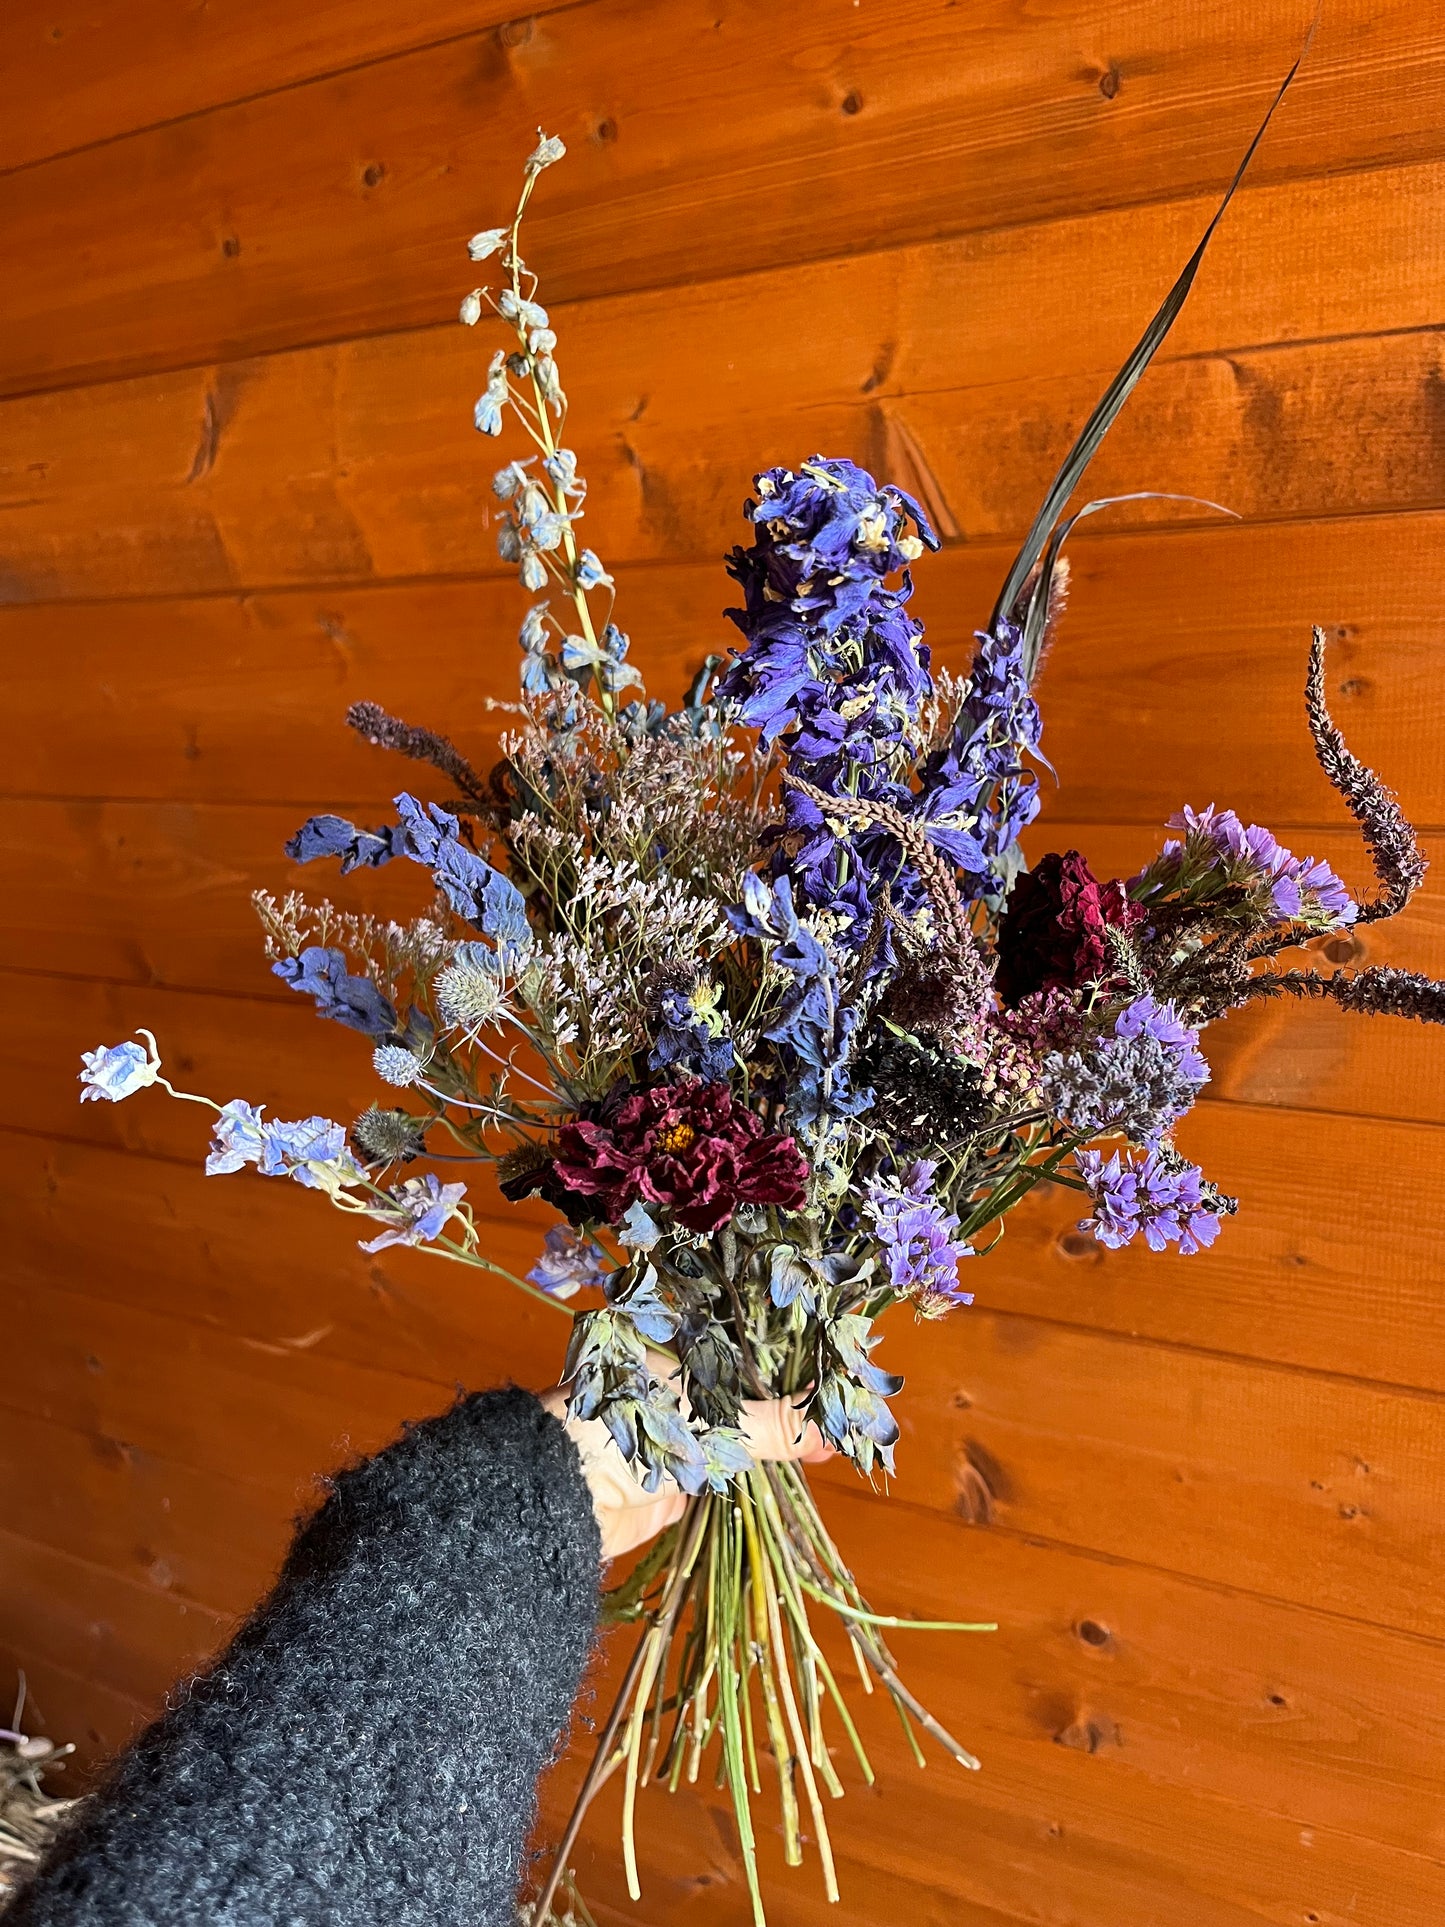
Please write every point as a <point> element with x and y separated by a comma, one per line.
<point>628,1516</point>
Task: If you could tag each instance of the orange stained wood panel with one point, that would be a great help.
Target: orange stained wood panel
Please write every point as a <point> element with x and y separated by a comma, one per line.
<point>75,73</point>
<point>238,491</point>
<point>233,699</point>
<point>335,209</point>
<point>351,461</point>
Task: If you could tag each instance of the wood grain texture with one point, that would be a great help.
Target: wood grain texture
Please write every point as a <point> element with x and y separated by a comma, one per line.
<point>238,492</point>
<point>338,208</point>
<point>240,698</point>
<point>355,462</point>
<point>119,67</point>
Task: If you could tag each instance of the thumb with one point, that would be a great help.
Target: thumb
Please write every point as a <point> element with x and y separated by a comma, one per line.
<point>774,1428</point>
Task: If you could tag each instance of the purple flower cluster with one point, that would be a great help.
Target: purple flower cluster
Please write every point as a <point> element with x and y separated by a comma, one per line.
<point>977,794</point>
<point>836,668</point>
<point>1298,887</point>
<point>1162,1195</point>
<point>1140,1080</point>
<point>917,1236</point>
<point>826,539</point>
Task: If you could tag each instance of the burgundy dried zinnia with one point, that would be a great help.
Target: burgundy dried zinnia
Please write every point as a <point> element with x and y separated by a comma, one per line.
<point>687,1147</point>
<point>1052,936</point>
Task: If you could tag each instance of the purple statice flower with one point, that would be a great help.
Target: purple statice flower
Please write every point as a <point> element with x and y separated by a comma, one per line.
<point>418,1210</point>
<point>920,1252</point>
<point>1146,1018</point>
<point>693,1034</point>
<point>1299,887</point>
<point>1162,1195</point>
<point>825,538</point>
<point>569,1263</point>
<point>353,1001</point>
<point>1140,1079</point>
<point>114,1071</point>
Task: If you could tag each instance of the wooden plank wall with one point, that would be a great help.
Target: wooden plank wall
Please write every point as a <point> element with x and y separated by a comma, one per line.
<point>1205,1498</point>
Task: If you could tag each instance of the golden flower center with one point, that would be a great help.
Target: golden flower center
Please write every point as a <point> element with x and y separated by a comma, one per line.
<point>677,1137</point>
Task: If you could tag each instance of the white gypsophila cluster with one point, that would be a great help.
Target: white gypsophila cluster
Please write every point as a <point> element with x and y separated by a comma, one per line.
<point>586,1007</point>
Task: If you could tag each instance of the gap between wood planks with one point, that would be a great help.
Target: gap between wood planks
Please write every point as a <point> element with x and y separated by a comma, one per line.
<point>1094,535</point>
<point>565,310</point>
<point>1403,54</point>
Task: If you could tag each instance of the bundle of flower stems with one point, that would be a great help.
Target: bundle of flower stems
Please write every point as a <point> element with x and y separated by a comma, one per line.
<point>758,996</point>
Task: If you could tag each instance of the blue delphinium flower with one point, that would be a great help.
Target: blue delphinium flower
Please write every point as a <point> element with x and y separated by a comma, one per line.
<point>312,1150</point>
<point>431,835</point>
<point>920,1253</point>
<point>568,1264</point>
<point>1140,1080</point>
<point>837,670</point>
<point>238,1138</point>
<point>334,836</point>
<point>353,1001</point>
<point>825,538</point>
<point>473,888</point>
<point>418,1211</point>
<point>114,1071</point>
<point>976,795</point>
<point>813,1026</point>
<point>1162,1195</point>
<point>693,1033</point>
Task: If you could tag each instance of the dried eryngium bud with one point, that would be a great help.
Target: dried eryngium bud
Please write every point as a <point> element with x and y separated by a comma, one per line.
<point>389,1137</point>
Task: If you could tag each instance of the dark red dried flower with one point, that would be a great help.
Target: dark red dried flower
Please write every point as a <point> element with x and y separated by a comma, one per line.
<point>687,1147</point>
<point>1052,936</point>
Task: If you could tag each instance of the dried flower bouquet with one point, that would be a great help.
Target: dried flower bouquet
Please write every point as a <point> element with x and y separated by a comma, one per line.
<point>759,997</point>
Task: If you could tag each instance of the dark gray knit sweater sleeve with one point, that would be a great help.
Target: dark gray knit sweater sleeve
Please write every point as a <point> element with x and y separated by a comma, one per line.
<point>367,1749</point>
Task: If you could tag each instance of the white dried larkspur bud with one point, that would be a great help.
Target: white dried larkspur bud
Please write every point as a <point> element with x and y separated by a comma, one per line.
<point>548,150</point>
